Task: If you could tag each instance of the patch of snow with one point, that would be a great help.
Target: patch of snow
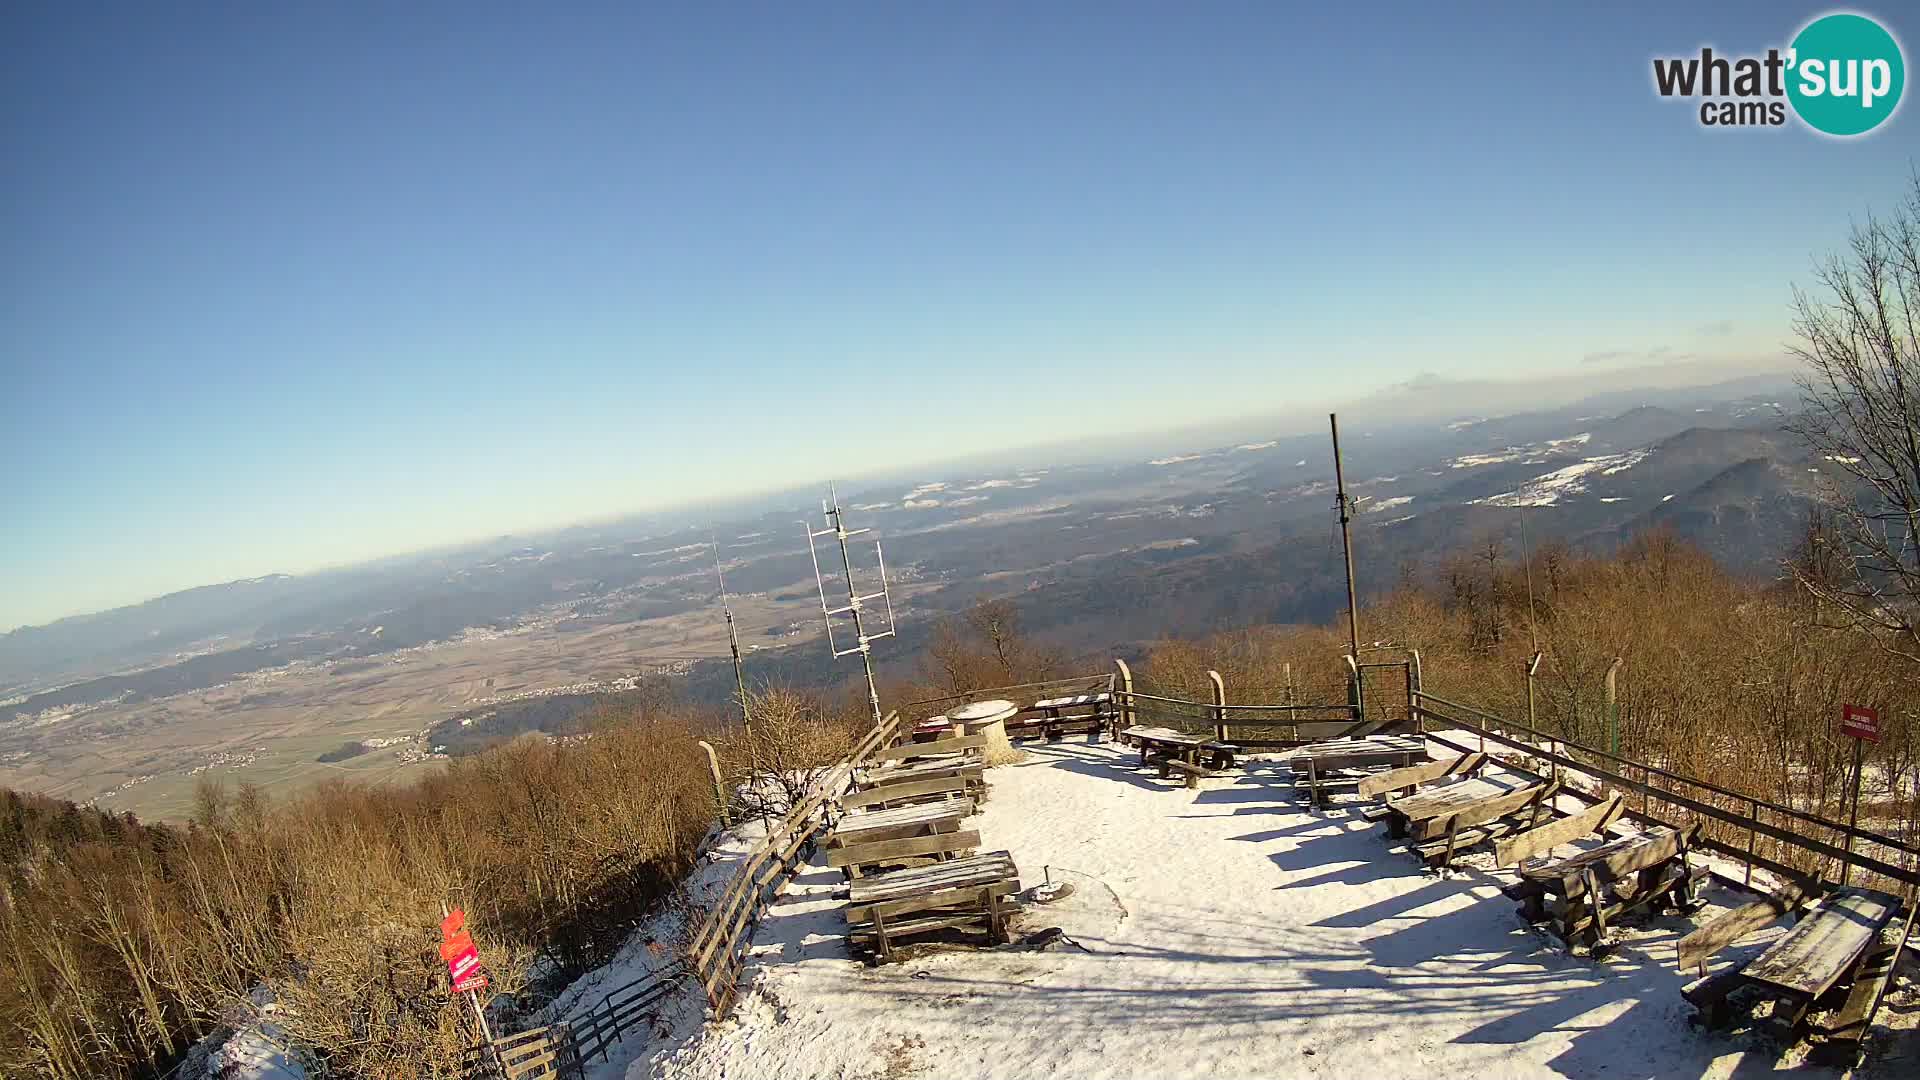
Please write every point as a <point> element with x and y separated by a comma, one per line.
<point>1301,464</point>
<point>1228,931</point>
<point>1567,444</point>
<point>1176,459</point>
<point>1666,498</point>
<point>1258,445</point>
<point>1612,499</point>
<point>1628,460</point>
<point>1843,459</point>
<point>1388,504</point>
<point>1469,461</point>
<point>919,504</point>
<point>1550,488</point>
<point>924,489</point>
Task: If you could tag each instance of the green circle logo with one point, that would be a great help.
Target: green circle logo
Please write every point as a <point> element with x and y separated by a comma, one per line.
<point>1846,74</point>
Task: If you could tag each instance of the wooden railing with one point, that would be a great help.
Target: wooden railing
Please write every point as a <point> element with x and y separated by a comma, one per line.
<point>717,952</point>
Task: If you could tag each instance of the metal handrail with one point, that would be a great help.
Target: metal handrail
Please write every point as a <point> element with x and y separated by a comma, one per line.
<point>1655,770</point>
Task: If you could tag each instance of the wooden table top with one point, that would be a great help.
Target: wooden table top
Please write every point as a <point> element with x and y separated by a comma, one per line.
<point>1165,735</point>
<point>986,868</point>
<point>1443,800</point>
<point>1824,946</point>
<point>918,814</point>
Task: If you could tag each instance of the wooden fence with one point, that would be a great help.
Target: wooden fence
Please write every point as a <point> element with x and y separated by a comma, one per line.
<point>717,952</point>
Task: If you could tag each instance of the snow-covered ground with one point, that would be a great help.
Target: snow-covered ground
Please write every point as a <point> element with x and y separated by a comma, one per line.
<point>1227,932</point>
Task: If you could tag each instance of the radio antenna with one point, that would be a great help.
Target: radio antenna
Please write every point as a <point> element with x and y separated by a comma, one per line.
<point>856,603</point>
<point>733,639</point>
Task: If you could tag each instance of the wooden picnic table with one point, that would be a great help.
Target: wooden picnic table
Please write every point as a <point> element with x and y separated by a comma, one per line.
<point>1828,947</point>
<point>1319,760</point>
<point>1054,716</point>
<point>901,822</point>
<point>1376,750</point>
<point>1177,750</point>
<point>1408,811</point>
<point>1814,955</point>
<point>962,892</point>
<point>1602,883</point>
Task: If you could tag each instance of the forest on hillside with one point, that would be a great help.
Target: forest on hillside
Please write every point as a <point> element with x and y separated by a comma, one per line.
<point>131,940</point>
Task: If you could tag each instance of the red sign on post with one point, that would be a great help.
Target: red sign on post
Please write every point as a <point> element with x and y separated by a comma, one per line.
<point>458,950</point>
<point>1860,722</point>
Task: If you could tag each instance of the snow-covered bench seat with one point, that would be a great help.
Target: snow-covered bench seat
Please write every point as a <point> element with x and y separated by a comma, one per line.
<point>969,892</point>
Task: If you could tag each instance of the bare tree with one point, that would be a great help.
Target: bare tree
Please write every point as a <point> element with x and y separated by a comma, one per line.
<point>1859,333</point>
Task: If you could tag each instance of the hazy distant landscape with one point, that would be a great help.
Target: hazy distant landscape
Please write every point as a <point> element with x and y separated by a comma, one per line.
<point>276,680</point>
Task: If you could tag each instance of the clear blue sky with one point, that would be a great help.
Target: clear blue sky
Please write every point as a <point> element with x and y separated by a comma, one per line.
<point>284,285</point>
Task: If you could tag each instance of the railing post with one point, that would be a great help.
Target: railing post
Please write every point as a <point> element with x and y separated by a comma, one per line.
<point>1219,705</point>
<point>1613,707</point>
<point>1413,691</point>
<point>1356,695</point>
<point>719,787</point>
<point>1753,832</point>
<point>1124,707</point>
<point>1533,723</point>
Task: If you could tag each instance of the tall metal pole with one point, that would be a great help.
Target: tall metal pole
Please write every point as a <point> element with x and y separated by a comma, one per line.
<point>1346,540</point>
<point>733,642</point>
<point>1853,819</point>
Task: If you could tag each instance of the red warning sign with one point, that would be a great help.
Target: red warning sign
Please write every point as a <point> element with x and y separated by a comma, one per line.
<point>1860,722</point>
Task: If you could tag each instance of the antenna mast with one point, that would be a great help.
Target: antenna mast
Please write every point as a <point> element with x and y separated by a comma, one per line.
<point>733,639</point>
<point>837,528</point>
<point>1346,539</point>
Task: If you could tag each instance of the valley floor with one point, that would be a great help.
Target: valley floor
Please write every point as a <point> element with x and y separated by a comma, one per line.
<point>1227,932</point>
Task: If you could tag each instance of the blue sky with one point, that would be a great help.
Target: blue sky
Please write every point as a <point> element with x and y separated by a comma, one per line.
<point>290,286</point>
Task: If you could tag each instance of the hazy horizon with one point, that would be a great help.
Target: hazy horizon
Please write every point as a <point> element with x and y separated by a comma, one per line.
<point>296,289</point>
<point>1677,377</point>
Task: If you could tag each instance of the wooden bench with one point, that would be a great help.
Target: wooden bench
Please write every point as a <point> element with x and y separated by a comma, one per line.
<point>1053,717</point>
<point>860,859</point>
<point>882,796</point>
<point>1407,780</point>
<point>1461,825</point>
<point>956,747</point>
<point>900,822</point>
<point>1165,744</point>
<point>884,908</point>
<point>1598,886</point>
<point>1319,761</point>
<point>968,767</point>
<point>1829,948</point>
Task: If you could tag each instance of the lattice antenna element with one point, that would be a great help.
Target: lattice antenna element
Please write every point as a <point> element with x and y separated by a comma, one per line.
<point>857,602</point>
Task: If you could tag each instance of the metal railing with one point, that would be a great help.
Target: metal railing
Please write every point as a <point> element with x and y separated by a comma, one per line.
<point>620,1007</point>
<point>1738,814</point>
